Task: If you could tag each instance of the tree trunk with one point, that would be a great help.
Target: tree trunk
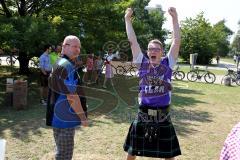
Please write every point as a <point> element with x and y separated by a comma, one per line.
<point>23,62</point>
<point>5,9</point>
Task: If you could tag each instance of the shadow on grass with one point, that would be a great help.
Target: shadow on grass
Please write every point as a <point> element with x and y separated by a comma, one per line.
<point>117,103</point>
<point>183,99</point>
<point>22,123</point>
<point>181,90</point>
<point>185,119</point>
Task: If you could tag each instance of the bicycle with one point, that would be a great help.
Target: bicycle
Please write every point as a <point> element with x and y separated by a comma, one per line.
<point>234,76</point>
<point>122,70</point>
<point>197,74</point>
<point>34,62</point>
<point>177,74</point>
<point>14,59</point>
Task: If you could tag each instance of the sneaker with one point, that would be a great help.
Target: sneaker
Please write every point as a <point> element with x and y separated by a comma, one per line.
<point>43,102</point>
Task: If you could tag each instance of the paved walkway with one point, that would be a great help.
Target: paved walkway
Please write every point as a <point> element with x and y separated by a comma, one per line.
<point>221,66</point>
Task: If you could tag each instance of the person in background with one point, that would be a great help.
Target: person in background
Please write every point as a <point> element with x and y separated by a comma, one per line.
<point>55,54</point>
<point>89,66</point>
<point>234,58</point>
<point>45,70</point>
<point>108,72</point>
<point>217,59</point>
<point>99,65</point>
<point>80,67</point>
<point>238,61</point>
<point>231,147</point>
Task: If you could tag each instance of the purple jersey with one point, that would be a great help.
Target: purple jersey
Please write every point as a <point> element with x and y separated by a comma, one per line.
<point>155,83</point>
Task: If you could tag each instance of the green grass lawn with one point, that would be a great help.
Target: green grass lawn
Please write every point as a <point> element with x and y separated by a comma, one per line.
<point>202,114</point>
<point>227,59</point>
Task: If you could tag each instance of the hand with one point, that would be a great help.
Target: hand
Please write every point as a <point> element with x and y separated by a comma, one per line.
<point>84,123</point>
<point>128,13</point>
<point>172,11</point>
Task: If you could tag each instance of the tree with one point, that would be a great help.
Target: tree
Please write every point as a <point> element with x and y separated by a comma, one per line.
<point>197,38</point>
<point>148,25</point>
<point>94,22</point>
<point>221,35</point>
<point>22,8</point>
<point>235,46</point>
<point>98,22</point>
<point>24,29</point>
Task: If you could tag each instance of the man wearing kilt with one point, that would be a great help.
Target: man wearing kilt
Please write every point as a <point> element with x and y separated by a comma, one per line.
<point>152,133</point>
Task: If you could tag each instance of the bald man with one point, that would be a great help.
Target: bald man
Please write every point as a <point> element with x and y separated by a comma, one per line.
<point>65,110</point>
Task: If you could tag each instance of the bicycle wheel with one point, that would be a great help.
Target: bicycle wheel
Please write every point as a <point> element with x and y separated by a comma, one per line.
<point>210,77</point>
<point>173,74</point>
<point>192,76</point>
<point>8,60</point>
<point>36,65</point>
<point>120,70</point>
<point>238,80</point>
<point>179,75</point>
<point>34,62</point>
<point>133,71</point>
<point>223,78</point>
<point>31,63</point>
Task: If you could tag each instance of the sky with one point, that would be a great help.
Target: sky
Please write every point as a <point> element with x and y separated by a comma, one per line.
<point>214,11</point>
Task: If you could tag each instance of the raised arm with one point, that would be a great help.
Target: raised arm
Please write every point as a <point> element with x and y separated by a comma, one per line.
<point>176,39</point>
<point>136,50</point>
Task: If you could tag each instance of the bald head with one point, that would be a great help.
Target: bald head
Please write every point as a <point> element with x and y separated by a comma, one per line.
<point>69,39</point>
<point>71,46</point>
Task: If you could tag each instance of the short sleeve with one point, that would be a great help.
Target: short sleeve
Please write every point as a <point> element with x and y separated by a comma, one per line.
<point>172,61</point>
<point>138,61</point>
<point>70,82</point>
<point>62,80</point>
<point>109,58</point>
